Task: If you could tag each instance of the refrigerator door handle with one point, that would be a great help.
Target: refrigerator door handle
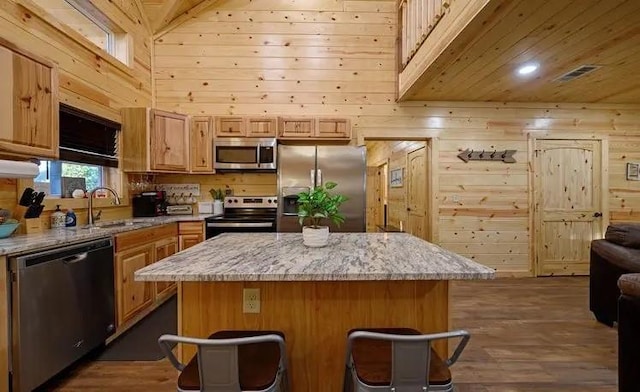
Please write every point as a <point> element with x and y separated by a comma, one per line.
<point>319,177</point>
<point>312,177</point>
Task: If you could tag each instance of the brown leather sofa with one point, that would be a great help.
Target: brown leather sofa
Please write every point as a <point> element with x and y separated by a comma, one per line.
<point>612,257</point>
<point>629,333</point>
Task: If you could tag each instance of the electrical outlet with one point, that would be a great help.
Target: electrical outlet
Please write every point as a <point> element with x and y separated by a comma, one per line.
<point>455,198</point>
<point>251,301</point>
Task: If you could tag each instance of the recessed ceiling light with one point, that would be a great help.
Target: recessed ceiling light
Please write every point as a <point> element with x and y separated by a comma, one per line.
<point>528,69</point>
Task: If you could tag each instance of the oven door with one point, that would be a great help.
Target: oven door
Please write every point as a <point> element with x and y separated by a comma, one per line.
<point>245,154</point>
<point>217,228</point>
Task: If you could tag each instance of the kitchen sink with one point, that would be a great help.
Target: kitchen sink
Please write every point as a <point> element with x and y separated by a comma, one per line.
<point>108,225</point>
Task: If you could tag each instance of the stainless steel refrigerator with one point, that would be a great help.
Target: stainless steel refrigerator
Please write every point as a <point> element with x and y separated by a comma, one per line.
<point>303,167</point>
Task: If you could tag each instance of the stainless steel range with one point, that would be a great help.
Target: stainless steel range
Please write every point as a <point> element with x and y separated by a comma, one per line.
<point>245,214</point>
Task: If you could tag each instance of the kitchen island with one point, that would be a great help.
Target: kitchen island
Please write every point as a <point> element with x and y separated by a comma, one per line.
<point>314,295</point>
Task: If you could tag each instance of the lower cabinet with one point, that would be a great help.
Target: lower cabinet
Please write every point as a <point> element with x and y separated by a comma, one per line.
<point>165,248</point>
<point>132,296</point>
<point>135,250</point>
<point>190,234</point>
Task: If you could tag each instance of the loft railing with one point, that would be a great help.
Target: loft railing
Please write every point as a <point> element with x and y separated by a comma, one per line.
<point>418,18</point>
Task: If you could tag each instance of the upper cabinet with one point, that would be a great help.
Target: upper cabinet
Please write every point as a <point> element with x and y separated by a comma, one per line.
<point>201,144</point>
<point>261,127</point>
<point>314,128</point>
<point>28,104</point>
<point>230,127</point>
<point>333,128</point>
<point>238,126</point>
<point>155,140</point>
<point>169,142</point>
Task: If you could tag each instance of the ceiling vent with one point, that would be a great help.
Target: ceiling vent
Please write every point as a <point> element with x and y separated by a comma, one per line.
<point>576,73</point>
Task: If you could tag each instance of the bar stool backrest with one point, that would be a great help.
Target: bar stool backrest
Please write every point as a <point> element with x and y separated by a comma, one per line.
<point>218,359</point>
<point>411,356</point>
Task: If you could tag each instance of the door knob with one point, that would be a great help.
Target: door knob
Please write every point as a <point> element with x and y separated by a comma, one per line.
<point>597,214</point>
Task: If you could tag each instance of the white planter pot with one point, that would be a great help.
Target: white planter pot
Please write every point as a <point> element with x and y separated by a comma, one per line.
<point>218,207</point>
<point>315,238</point>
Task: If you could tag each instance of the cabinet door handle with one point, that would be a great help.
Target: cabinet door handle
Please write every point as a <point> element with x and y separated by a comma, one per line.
<point>597,214</point>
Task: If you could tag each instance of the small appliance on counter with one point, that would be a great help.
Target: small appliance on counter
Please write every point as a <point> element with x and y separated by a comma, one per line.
<point>180,209</point>
<point>149,204</point>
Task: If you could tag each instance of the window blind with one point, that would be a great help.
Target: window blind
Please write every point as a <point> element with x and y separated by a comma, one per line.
<point>87,138</point>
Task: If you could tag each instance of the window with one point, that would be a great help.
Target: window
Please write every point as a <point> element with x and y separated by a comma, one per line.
<point>50,179</point>
<point>86,19</point>
<point>88,154</point>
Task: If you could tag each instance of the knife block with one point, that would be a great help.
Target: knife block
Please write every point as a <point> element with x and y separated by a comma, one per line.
<point>33,225</point>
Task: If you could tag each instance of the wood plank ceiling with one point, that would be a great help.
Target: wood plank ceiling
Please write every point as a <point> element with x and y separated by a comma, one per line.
<point>560,36</point>
<point>161,13</point>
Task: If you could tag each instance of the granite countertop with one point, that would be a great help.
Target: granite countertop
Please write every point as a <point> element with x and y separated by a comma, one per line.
<point>283,257</point>
<point>56,237</point>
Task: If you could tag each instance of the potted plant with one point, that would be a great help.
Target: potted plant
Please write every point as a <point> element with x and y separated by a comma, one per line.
<point>218,200</point>
<point>314,207</point>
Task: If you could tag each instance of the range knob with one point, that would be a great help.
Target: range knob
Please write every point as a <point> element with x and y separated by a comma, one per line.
<point>235,200</point>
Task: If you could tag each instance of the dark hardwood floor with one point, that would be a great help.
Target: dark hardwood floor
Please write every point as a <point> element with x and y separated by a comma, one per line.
<point>527,335</point>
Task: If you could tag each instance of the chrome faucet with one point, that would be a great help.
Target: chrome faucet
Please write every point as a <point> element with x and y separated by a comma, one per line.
<point>116,201</point>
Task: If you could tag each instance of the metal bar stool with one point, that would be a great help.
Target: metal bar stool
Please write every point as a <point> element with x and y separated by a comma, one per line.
<point>231,361</point>
<point>398,359</point>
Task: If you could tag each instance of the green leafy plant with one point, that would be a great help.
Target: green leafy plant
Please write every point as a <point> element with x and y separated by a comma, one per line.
<point>319,204</point>
<point>217,194</point>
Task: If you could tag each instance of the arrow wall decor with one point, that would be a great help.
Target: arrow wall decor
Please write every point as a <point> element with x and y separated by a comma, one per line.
<point>505,156</point>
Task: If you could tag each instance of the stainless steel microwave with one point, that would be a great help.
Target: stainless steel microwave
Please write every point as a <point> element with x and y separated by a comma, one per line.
<point>245,153</point>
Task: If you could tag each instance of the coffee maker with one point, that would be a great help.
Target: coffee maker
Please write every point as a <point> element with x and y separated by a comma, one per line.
<point>149,204</point>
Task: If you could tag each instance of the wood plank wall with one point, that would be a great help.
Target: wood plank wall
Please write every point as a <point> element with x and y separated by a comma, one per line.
<point>246,184</point>
<point>89,80</point>
<point>318,57</point>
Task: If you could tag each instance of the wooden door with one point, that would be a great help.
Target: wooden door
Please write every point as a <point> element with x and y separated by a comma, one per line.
<point>165,248</point>
<point>261,127</point>
<point>568,204</point>
<point>372,199</point>
<point>189,240</point>
<point>28,106</point>
<point>132,296</point>
<point>230,127</point>
<point>382,189</point>
<point>416,183</point>
<point>201,144</point>
<point>169,141</point>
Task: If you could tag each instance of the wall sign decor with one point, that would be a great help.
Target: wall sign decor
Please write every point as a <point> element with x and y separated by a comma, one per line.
<point>633,171</point>
<point>505,156</point>
<point>395,178</point>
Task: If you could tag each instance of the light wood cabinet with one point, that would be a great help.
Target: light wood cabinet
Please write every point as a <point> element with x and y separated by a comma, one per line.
<point>190,234</point>
<point>165,248</point>
<point>238,126</point>
<point>333,128</point>
<point>135,250</point>
<point>230,127</point>
<point>133,297</point>
<point>154,140</point>
<point>314,128</point>
<point>169,142</point>
<point>261,127</point>
<point>296,127</point>
<point>202,144</point>
<point>28,104</point>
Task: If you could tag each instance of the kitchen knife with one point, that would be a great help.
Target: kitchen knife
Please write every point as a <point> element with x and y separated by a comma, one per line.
<point>32,212</point>
<point>27,197</point>
<point>39,198</point>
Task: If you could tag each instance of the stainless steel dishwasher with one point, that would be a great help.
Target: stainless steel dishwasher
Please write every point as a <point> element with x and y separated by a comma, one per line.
<point>62,307</point>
